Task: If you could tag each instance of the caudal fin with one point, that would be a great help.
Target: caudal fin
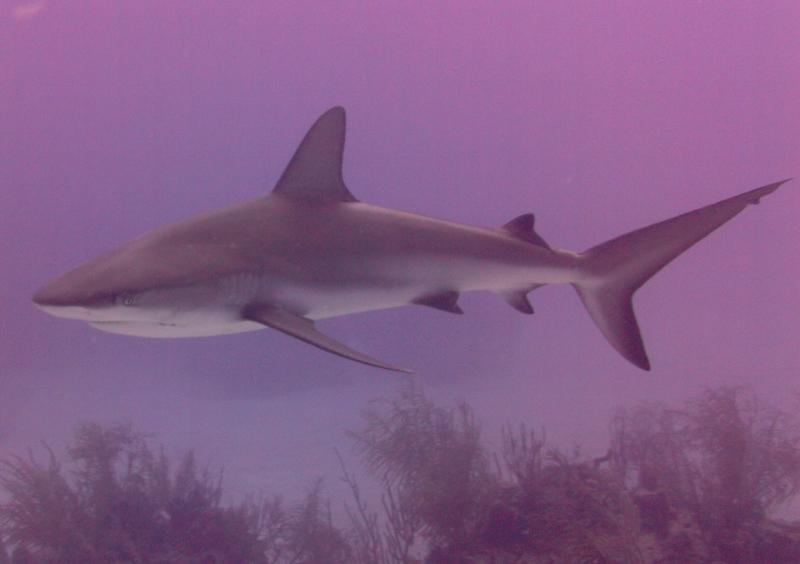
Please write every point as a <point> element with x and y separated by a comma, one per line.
<point>614,270</point>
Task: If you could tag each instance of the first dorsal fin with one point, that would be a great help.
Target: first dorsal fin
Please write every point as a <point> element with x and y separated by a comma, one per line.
<point>315,171</point>
<point>522,228</point>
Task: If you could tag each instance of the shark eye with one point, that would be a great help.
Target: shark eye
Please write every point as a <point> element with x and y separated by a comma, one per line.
<point>127,299</point>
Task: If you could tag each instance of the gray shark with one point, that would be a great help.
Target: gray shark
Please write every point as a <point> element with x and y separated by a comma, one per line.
<point>309,250</point>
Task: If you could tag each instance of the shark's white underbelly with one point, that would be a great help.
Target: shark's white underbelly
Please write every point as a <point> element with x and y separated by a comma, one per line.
<point>221,313</point>
<point>209,321</point>
<point>175,330</point>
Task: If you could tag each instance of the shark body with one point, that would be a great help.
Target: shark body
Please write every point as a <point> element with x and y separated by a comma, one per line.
<point>309,250</point>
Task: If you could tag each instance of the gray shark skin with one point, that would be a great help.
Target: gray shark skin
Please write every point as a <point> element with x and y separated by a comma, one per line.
<point>309,250</point>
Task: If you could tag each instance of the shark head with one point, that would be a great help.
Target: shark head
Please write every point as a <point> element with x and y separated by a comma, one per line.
<point>172,282</point>
<point>96,291</point>
<point>131,285</point>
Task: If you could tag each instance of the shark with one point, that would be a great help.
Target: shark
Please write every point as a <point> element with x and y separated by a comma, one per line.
<point>309,250</point>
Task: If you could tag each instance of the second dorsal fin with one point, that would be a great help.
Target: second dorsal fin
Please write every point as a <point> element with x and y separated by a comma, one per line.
<point>522,228</point>
<point>315,171</point>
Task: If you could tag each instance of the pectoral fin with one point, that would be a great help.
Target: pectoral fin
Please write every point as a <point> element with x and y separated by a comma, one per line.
<point>303,329</point>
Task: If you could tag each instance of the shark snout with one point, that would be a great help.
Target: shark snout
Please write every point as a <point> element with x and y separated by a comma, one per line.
<point>50,299</point>
<point>52,295</point>
<point>61,299</point>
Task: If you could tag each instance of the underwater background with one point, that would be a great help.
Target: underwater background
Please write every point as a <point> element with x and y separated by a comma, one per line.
<point>119,117</point>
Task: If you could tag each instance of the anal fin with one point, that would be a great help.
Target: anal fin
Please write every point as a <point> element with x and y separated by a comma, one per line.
<point>304,329</point>
<point>518,299</point>
<point>445,301</point>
